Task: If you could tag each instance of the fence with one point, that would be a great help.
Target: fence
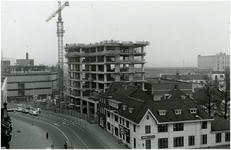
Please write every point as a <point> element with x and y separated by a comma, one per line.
<point>69,112</point>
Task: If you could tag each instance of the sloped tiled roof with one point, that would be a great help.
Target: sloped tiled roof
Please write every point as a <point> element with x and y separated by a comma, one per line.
<point>131,96</point>
<point>140,108</point>
<point>170,106</point>
<point>220,124</point>
<point>140,94</point>
<point>175,93</point>
<point>124,90</point>
<point>113,87</point>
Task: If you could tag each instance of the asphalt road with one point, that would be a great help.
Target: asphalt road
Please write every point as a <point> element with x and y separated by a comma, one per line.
<point>61,129</point>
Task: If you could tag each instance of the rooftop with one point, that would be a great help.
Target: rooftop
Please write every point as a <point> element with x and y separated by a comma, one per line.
<point>134,97</point>
<point>108,43</point>
<point>220,124</point>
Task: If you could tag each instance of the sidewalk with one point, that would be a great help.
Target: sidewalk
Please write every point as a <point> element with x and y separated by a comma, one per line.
<point>22,139</point>
<point>105,137</point>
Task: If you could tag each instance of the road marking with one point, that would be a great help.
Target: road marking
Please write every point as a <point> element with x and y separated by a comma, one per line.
<point>56,124</point>
<point>50,125</point>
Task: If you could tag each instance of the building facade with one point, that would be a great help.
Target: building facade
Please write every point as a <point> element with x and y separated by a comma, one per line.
<point>142,123</point>
<point>24,86</point>
<point>92,67</point>
<point>6,127</point>
<point>216,62</point>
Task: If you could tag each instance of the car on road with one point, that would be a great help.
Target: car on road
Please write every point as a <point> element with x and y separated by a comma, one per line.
<point>19,109</point>
<point>34,112</point>
<point>24,110</point>
<point>38,109</point>
<point>68,145</point>
<point>10,109</point>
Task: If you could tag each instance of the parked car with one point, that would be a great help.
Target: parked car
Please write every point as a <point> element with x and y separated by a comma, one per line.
<point>10,109</point>
<point>34,112</point>
<point>68,145</point>
<point>24,110</point>
<point>38,109</point>
<point>19,109</point>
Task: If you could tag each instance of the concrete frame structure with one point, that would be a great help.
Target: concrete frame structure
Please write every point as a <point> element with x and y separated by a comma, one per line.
<point>92,67</point>
<point>216,62</point>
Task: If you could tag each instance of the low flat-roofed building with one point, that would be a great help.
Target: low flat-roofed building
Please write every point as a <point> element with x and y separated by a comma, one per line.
<point>24,85</point>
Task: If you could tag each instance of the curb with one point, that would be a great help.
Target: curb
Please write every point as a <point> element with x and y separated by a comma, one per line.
<point>81,122</point>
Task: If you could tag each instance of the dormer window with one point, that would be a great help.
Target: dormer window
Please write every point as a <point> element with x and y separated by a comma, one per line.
<point>182,97</point>
<point>178,111</point>
<point>131,109</point>
<point>162,112</point>
<point>167,96</point>
<point>193,110</point>
<point>124,107</point>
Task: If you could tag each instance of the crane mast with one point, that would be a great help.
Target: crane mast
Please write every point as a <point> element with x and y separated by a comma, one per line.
<point>60,32</point>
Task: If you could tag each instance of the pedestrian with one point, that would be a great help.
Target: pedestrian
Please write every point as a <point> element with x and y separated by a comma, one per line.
<point>47,135</point>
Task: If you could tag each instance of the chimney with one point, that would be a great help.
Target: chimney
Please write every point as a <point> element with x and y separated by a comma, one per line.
<point>159,80</point>
<point>27,55</point>
<point>176,86</point>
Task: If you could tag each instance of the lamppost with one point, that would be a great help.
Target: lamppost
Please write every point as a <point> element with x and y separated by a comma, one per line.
<point>201,138</point>
<point>33,93</point>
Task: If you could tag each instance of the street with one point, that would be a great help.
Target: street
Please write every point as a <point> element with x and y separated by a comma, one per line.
<point>61,129</point>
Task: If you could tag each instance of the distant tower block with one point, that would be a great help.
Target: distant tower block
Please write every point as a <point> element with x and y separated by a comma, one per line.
<point>27,55</point>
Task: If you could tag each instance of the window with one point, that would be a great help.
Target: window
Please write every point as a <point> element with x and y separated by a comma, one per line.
<point>116,131</point>
<point>108,126</point>
<point>116,118</point>
<point>178,127</point>
<point>178,111</point>
<point>21,93</point>
<point>163,128</point>
<point>204,139</point>
<point>163,143</point>
<point>148,144</point>
<point>147,129</point>
<point>21,86</point>
<point>204,125</point>
<point>134,127</point>
<point>108,114</point>
<point>178,141</point>
<point>134,142</point>
<point>193,110</point>
<point>218,137</point>
<point>191,140</point>
<point>227,136</point>
<point>162,112</point>
<point>127,124</point>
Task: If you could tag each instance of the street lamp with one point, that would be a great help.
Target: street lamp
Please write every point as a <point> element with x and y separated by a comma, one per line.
<point>201,140</point>
<point>33,92</point>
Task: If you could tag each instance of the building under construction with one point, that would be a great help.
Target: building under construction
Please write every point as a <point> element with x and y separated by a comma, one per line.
<point>93,67</point>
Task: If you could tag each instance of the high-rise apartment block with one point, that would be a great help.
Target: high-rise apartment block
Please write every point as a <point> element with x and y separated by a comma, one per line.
<point>216,62</point>
<point>93,67</point>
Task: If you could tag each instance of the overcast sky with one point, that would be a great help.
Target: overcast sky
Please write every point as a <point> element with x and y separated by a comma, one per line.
<point>177,31</point>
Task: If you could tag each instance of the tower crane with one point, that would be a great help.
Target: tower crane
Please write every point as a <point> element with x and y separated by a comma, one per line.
<point>60,32</point>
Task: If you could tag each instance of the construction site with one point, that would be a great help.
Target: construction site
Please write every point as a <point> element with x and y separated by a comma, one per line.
<point>93,67</point>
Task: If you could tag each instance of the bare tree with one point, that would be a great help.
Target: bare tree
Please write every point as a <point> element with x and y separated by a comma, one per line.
<point>208,88</point>
<point>223,91</point>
